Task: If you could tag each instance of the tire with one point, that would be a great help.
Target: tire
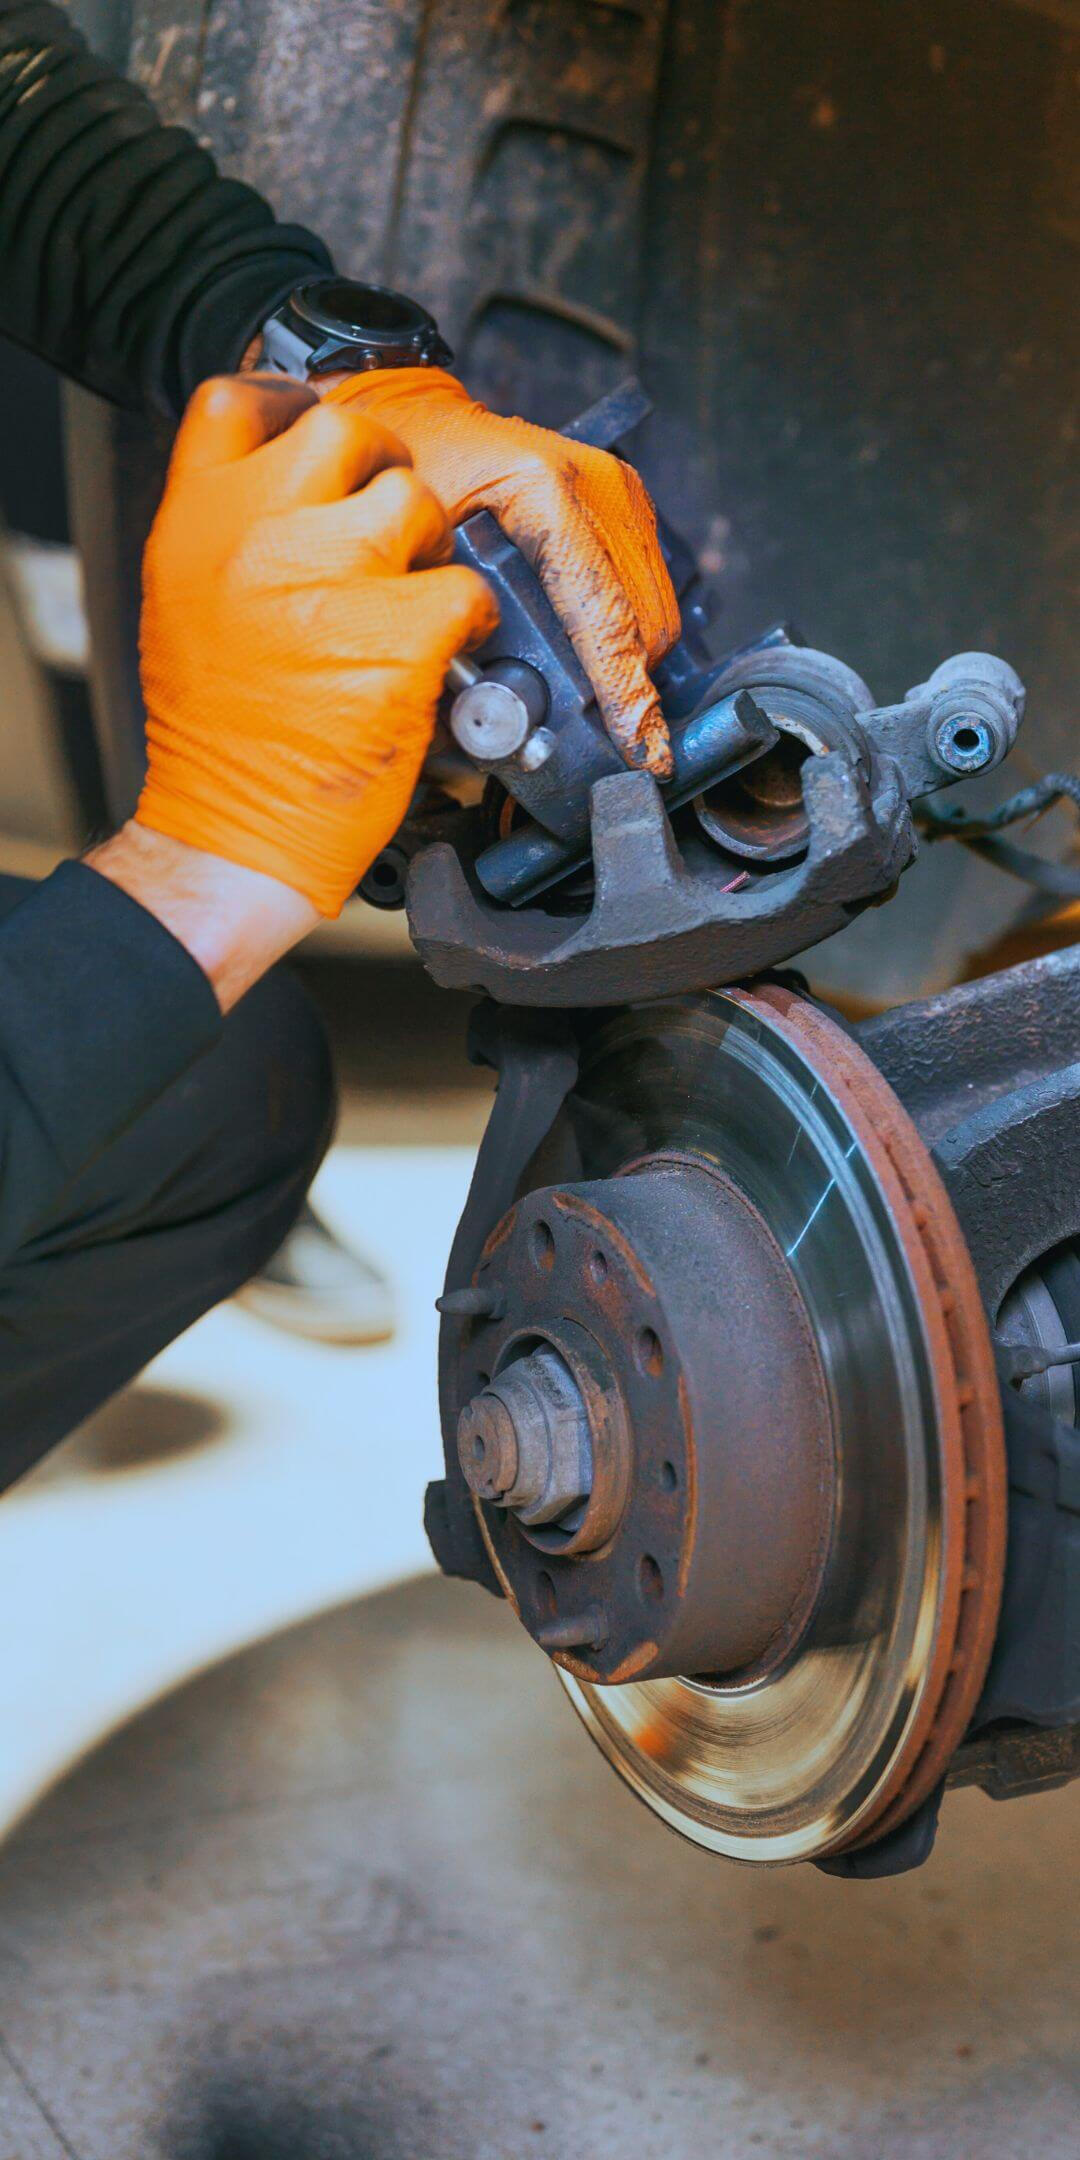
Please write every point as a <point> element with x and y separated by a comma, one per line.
<point>835,243</point>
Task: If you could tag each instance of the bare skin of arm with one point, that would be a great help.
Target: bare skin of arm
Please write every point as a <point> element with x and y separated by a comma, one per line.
<point>234,922</point>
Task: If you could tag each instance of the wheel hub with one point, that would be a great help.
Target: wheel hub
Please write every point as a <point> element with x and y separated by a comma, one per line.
<point>658,1424</point>
<point>760,1526</point>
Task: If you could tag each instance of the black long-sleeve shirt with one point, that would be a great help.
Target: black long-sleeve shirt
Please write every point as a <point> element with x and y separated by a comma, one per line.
<point>126,258</point>
<point>100,1010</point>
<point>130,263</point>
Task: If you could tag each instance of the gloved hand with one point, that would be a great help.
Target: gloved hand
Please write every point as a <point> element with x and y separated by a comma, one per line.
<point>581,518</point>
<point>295,635</point>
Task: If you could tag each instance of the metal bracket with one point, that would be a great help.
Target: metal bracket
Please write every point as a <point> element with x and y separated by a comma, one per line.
<point>658,926</point>
<point>536,1059</point>
<point>1034,1674</point>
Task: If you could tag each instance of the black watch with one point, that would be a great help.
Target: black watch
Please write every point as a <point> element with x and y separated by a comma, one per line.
<point>332,324</point>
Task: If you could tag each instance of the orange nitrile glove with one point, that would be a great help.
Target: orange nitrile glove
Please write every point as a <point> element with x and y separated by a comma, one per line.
<point>580,517</point>
<point>295,635</point>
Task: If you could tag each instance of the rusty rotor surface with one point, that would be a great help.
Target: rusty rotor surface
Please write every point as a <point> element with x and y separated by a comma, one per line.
<point>843,1740</point>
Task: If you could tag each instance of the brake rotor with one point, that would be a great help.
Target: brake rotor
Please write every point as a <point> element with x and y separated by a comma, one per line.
<point>841,1737</point>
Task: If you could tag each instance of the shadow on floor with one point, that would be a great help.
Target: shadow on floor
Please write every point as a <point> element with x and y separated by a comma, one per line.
<point>255,2119</point>
<point>365,1892</point>
<point>140,1429</point>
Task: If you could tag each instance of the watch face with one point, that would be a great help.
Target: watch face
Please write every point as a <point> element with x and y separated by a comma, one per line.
<point>371,314</point>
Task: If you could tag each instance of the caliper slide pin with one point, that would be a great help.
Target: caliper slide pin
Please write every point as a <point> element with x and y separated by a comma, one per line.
<point>715,742</point>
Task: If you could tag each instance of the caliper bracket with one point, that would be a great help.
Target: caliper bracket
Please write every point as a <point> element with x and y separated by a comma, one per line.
<point>656,926</point>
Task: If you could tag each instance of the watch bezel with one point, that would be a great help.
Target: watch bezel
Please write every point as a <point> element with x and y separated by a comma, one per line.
<point>304,332</point>
<point>414,320</point>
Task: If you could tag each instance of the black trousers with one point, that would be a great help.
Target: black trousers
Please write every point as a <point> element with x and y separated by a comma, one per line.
<point>193,1199</point>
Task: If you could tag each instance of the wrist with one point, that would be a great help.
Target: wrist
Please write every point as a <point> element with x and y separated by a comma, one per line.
<point>234,922</point>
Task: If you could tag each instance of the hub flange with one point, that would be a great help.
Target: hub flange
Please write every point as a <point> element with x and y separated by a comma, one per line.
<point>703,1529</point>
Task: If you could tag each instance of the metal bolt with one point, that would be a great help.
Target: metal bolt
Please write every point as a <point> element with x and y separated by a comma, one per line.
<point>383,885</point>
<point>537,750</point>
<point>488,1448</point>
<point>524,1442</point>
<point>489,721</point>
<point>497,710</point>
<point>462,673</point>
<point>577,1631</point>
<point>479,1301</point>
<point>963,743</point>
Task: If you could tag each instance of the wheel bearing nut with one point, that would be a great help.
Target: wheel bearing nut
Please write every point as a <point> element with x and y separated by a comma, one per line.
<point>524,1441</point>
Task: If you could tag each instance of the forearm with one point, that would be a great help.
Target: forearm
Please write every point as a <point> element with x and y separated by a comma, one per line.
<point>125,258</point>
<point>234,922</point>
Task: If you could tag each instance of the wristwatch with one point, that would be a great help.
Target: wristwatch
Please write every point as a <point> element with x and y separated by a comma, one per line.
<point>332,324</point>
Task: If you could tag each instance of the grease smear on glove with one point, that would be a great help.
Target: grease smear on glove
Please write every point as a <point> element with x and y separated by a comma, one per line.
<point>297,625</point>
<point>580,517</point>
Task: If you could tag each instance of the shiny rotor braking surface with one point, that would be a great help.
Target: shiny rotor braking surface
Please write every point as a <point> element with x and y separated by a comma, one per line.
<point>855,1728</point>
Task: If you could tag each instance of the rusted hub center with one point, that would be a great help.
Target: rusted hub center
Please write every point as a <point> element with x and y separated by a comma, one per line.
<point>646,1431</point>
<point>524,1442</point>
<point>489,1448</point>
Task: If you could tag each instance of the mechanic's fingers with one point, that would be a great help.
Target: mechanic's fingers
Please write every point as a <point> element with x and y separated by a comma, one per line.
<point>328,454</point>
<point>372,622</point>
<point>232,415</point>
<point>296,451</point>
<point>632,712</point>
<point>399,523</point>
<point>456,605</point>
<point>632,541</point>
<point>580,579</point>
<point>393,525</point>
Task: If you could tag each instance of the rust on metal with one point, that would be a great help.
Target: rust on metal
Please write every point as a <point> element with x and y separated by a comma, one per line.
<point>707,1524</point>
<point>973,1484</point>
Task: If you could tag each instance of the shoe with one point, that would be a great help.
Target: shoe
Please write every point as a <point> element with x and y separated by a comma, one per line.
<point>316,1287</point>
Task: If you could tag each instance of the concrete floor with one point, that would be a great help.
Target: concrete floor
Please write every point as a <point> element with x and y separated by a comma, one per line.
<point>248,1480</point>
<point>366,1892</point>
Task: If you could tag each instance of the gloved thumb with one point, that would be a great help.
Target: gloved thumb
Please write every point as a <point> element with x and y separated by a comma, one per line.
<point>459,605</point>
